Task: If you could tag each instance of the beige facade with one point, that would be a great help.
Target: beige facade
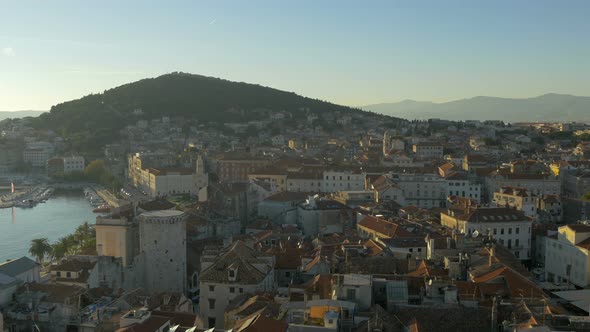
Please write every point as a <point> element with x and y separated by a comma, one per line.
<point>116,238</point>
<point>158,182</point>
<point>518,198</point>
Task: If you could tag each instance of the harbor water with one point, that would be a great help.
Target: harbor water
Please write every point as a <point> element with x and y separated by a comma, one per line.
<point>57,217</point>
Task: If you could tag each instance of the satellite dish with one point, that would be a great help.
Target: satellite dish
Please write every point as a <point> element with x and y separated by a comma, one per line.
<point>475,234</point>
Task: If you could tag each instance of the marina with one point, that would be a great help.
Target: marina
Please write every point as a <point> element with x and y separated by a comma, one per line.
<point>57,217</point>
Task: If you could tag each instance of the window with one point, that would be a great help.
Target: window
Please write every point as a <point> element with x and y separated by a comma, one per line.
<point>211,304</point>
<point>58,273</point>
<point>68,274</point>
<point>517,254</point>
<point>241,290</point>
<point>509,230</point>
<point>211,288</point>
<point>495,231</point>
<point>351,294</point>
<point>516,243</point>
<point>502,231</point>
<point>232,273</point>
<point>232,290</point>
<point>509,244</point>
<point>517,230</point>
<point>411,250</point>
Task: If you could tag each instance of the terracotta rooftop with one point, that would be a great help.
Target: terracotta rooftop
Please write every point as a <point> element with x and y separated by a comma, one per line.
<point>579,228</point>
<point>387,228</point>
<point>288,196</point>
<point>240,257</point>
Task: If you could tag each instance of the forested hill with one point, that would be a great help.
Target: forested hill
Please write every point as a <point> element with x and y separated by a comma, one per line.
<point>197,97</point>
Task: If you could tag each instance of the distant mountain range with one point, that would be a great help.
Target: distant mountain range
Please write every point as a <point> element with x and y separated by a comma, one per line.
<point>548,107</point>
<point>19,114</point>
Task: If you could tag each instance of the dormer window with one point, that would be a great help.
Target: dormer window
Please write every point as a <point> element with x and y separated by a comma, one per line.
<point>232,273</point>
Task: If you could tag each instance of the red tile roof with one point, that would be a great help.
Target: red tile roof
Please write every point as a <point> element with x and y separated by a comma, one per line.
<point>381,226</point>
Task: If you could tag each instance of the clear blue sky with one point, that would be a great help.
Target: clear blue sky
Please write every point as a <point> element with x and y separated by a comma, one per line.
<point>348,52</point>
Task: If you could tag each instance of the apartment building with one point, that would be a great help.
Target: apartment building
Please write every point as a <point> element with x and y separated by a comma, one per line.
<point>518,198</point>
<point>510,227</point>
<point>567,255</point>
<point>229,273</point>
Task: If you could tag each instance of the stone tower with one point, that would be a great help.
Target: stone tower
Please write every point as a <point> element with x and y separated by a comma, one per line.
<point>201,179</point>
<point>162,244</point>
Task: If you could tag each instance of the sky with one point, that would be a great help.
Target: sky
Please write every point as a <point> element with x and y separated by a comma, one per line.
<point>347,52</point>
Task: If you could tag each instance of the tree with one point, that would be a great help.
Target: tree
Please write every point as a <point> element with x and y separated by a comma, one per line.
<point>586,196</point>
<point>40,248</point>
<point>63,246</point>
<point>84,233</point>
<point>95,170</point>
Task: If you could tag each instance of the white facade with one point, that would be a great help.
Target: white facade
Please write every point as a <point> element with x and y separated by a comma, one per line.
<point>330,181</point>
<point>36,157</point>
<point>514,235</point>
<point>510,228</point>
<point>422,190</point>
<point>566,261</point>
<point>334,180</point>
<point>37,153</point>
<point>464,188</point>
<point>73,164</point>
<point>304,184</point>
<point>162,245</point>
<point>548,185</point>
<point>169,181</point>
<point>428,150</point>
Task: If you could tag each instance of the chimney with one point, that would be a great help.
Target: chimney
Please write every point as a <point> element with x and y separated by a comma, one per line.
<point>491,257</point>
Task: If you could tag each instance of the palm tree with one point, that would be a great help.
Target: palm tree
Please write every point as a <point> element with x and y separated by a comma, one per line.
<point>39,248</point>
<point>62,247</point>
<point>83,232</point>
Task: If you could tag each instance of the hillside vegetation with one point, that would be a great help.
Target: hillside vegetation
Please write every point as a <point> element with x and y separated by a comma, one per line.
<point>96,119</point>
